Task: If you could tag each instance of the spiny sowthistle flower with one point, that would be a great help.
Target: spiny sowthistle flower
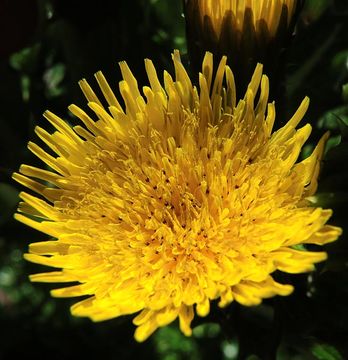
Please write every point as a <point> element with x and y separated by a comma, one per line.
<point>267,17</point>
<point>183,197</point>
<point>256,30</point>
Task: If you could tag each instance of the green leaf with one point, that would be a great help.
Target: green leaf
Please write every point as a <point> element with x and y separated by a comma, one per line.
<point>26,59</point>
<point>339,61</point>
<point>332,142</point>
<point>208,330</point>
<point>334,119</point>
<point>170,344</point>
<point>53,79</point>
<point>326,352</point>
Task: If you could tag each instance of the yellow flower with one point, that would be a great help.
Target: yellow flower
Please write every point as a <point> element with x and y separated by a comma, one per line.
<point>264,17</point>
<point>180,197</point>
<point>247,31</point>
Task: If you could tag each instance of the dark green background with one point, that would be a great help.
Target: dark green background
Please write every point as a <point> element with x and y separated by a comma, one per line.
<point>45,48</point>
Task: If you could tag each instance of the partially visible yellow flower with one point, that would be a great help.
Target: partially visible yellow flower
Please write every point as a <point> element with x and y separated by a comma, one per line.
<point>181,197</point>
<point>247,31</point>
<point>264,17</point>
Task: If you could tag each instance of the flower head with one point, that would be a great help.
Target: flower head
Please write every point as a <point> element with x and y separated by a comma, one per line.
<point>263,17</point>
<point>181,197</point>
<point>247,31</point>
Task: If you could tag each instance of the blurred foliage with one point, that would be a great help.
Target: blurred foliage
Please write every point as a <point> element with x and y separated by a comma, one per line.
<point>49,45</point>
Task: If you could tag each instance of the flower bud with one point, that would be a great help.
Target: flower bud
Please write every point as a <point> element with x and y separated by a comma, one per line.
<point>247,31</point>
